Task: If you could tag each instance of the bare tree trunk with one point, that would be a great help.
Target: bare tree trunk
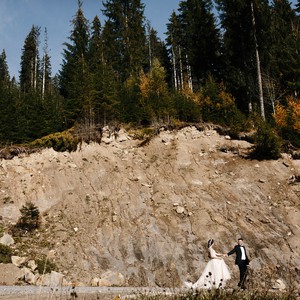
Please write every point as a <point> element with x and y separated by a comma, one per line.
<point>44,76</point>
<point>149,44</point>
<point>270,88</point>
<point>181,69</point>
<point>35,72</point>
<point>260,89</point>
<point>31,74</point>
<point>189,71</point>
<point>174,68</point>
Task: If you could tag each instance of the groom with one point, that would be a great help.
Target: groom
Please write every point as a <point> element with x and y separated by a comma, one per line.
<point>241,260</point>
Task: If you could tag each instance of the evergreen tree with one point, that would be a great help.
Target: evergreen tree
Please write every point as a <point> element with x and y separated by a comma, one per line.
<point>174,42</point>
<point>75,78</point>
<point>243,41</point>
<point>29,74</point>
<point>5,103</point>
<point>285,58</point>
<point>158,50</point>
<point>104,81</point>
<point>124,36</point>
<point>4,73</point>
<point>200,39</point>
<point>45,68</point>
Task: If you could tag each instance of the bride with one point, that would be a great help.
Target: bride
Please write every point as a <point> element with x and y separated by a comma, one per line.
<point>215,273</point>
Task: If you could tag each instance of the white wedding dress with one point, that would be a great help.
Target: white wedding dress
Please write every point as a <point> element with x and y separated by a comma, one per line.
<point>215,274</point>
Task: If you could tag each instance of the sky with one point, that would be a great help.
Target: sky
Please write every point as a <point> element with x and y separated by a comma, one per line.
<point>18,16</point>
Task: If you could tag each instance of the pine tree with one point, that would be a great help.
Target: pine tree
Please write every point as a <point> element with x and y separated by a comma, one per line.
<point>29,75</point>
<point>5,103</point>
<point>157,50</point>
<point>243,39</point>
<point>285,58</point>
<point>75,81</point>
<point>4,73</point>
<point>200,40</point>
<point>104,79</point>
<point>174,42</point>
<point>124,36</point>
<point>45,67</point>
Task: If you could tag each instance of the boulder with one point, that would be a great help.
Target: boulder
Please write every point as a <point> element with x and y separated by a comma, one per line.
<point>18,261</point>
<point>7,240</point>
<point>52,279</point>
<point>110,278</point>
<point>9,274</point>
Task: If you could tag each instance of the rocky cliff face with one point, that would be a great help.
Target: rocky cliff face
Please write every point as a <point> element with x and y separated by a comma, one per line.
<point>148,211</point>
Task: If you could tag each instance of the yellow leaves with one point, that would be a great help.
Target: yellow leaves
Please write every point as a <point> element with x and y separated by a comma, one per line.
<point>222,101</point>
<point>189,94</point>
<point>145,85</point>
<point>153,84</point>
<point>288,115</point>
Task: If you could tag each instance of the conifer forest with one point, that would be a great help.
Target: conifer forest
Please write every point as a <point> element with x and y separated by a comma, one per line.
<point>235,63</point>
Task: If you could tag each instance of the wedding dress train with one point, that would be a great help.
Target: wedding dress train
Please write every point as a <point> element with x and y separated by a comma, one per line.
<point>215,274</point>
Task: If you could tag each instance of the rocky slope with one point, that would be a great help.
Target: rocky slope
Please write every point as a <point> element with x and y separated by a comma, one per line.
<point>147,211</point>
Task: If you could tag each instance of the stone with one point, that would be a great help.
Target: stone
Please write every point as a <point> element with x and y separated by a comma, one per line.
<point>95,281</point>
<point>52,279</point>
<point>18,261</point>
<point>28,276</point>
<point>32,265</point>
<point>9,274</point>
<point>7,240</point>
<point>279,285</point>
<point>180,209</point>
<point>110,278</point>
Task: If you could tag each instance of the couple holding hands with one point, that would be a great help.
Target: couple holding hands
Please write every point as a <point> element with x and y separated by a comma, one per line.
<point>216,272</point>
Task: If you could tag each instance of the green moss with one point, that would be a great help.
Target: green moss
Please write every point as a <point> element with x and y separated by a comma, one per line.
<point>5,254</point>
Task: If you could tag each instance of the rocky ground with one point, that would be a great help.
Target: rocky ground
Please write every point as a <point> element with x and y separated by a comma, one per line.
<point>146,210</point>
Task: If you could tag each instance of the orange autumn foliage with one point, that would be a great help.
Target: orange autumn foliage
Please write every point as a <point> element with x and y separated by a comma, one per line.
<point>288,115</point>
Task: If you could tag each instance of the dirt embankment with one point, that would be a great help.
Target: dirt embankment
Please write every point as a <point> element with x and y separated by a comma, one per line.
<point>147,212</point>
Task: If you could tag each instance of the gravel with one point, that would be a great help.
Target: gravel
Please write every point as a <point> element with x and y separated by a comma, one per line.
<point>82,292</point>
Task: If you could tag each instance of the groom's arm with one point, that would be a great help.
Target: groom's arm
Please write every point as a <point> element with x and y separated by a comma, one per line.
<point>232,251</point>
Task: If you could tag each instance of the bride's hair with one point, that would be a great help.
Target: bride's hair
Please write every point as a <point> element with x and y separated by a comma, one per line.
<point>210,242</point>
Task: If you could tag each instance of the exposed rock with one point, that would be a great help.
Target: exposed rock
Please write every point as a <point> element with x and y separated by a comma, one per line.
<point>146,210</point>
<point>28,276</point>
<point>52,279</point>
<point>18,261</point>
<point>279,285</point>
<point>9,274</point>
<point>32,265</point>
<point>110,278</point>
<point>7,240</point>
<point>95,281</point>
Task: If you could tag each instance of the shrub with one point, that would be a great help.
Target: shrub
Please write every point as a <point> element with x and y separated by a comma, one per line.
<point>29,219</point>
<point>287,118</point>
<point>45,265</point>
<point>5,254</point>
<point>267,143</point>
<point>218,106</point>
<point>60,141</point>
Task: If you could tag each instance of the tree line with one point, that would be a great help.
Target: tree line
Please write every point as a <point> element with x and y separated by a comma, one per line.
<point>223,61</point>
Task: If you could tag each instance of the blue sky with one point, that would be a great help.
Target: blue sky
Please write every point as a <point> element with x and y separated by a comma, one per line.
<point>18,16</point>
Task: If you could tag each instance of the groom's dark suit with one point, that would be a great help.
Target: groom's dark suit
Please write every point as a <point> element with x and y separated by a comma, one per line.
<point>241,263</point>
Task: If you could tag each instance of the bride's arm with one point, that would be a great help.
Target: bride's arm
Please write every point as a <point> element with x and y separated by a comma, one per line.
<point>218,255</point>
<point>212,253</point>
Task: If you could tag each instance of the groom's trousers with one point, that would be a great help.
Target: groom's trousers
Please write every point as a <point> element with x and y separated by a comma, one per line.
<point>243,273</point>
